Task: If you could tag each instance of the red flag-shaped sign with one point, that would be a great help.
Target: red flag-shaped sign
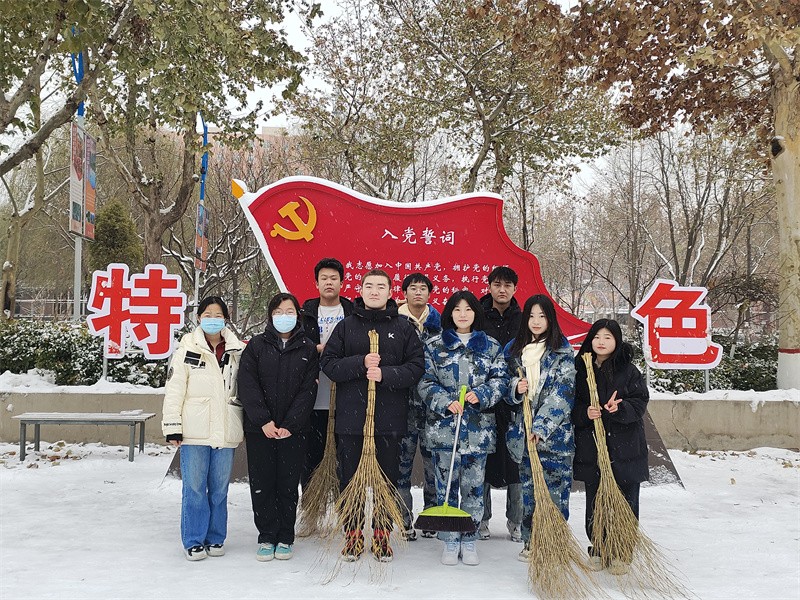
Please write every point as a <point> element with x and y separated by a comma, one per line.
<point>455,241</point>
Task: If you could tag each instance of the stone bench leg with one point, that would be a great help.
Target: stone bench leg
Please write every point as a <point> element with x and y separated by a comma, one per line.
<point>141,437</point>
<point>133,442</point>
<point>22,433</point>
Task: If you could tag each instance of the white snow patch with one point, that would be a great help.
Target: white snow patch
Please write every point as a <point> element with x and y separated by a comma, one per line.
<point>792,395</point>
<point>41,381</point>
<point>732,530</point>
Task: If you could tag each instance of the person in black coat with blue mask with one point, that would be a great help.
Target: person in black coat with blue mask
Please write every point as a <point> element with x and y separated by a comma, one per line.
<point>623,396</point>
<point>277,388</point>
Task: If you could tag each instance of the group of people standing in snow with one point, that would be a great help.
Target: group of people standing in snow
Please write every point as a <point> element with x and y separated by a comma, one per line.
<point>274,392</point>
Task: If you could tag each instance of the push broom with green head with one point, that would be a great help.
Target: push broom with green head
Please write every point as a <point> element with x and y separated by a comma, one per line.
<point>446,517</point>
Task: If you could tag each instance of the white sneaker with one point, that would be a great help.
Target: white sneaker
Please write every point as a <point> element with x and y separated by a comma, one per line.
<point>524,554</point>
<point>483,530</point>
<point>215,550</point>
<point>469,554</point>
<point>515,531</point>
<point>450,553</point>
<point>195,553</point>
<point>595,563</point>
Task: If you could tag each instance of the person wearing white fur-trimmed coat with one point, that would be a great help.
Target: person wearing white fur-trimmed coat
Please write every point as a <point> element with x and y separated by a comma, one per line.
<point>203,417</point>
<point>546,358</point>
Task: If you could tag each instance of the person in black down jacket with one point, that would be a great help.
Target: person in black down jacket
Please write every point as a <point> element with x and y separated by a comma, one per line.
<point>277,387</point>
<point>398,365</point>
<point>623,397</point>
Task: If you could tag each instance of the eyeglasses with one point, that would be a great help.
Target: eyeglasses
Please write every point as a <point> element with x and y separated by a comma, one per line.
<point>281,313</point>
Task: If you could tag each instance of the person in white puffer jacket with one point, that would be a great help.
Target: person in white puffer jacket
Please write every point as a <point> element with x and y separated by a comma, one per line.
<point>204,418</point>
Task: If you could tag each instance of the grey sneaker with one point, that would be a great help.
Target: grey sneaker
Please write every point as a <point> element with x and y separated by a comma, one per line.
<point>515,531</point>
<point>524,554</point>
<point>450,553</point>
<point>483,530</point>
<point>469,553</point>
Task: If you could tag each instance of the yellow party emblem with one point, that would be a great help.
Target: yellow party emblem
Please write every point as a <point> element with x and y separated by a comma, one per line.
<point>302,229</point>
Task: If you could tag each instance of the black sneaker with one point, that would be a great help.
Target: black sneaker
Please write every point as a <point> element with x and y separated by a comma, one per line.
<point>196,553</point>
<point>427,533</point>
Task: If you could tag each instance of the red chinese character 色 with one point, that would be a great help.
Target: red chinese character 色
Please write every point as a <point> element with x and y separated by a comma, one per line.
<point>677,327</point>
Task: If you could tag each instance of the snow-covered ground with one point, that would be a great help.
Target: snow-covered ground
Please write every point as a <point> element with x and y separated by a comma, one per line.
<point>80,521</point>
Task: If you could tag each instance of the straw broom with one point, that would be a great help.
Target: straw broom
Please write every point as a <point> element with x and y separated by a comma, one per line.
<point>556,561</point>
<point>369,477</point>
<point>320,495</point>
<point>616,533</point>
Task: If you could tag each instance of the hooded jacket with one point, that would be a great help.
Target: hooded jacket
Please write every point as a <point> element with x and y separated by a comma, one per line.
<point>402,364</point>
<point>551,402</point>
<point>625,436</point>
<point>480,366</point>
<point>200,397</point>
<point>278,383</point>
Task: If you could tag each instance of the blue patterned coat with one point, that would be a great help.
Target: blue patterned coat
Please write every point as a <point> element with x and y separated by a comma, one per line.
<point>552,404</point>
<point>481,366</point>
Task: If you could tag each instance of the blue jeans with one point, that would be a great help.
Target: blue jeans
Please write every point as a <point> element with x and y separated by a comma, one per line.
<point>206,472</point>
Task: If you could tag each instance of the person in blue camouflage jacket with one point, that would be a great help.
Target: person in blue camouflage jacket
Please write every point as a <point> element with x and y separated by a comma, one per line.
<point>417,289</point>
<point>462,355</point>
<point>545,357</point>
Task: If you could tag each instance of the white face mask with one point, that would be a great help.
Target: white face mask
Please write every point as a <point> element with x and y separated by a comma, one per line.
<point>284,323</point>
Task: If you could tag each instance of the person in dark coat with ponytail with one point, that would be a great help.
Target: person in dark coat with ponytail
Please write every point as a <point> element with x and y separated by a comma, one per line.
<point>623,397</point>
<point>277,388</point>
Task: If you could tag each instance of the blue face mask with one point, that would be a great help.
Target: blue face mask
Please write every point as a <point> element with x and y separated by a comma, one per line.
<point>284,323</point>
<point>211,325</point>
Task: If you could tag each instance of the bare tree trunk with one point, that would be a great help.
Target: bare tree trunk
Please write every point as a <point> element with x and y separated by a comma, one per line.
<point>21,217</point>
<point>785,157</point>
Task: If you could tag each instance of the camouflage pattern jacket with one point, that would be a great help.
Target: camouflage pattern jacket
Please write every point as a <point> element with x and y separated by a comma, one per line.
<point>480,366</point>
<point>552,404</point>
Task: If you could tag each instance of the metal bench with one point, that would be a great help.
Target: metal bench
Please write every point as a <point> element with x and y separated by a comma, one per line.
<point>129,418</point>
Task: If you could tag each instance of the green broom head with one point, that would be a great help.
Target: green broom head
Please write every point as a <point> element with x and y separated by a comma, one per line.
<point>446,517</point>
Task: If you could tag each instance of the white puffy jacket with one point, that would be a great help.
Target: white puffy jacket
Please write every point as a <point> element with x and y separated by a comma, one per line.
<point>200,398</point>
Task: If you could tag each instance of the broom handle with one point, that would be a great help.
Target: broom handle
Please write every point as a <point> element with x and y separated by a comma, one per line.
<point>461,394</point>
<point>527,420</point>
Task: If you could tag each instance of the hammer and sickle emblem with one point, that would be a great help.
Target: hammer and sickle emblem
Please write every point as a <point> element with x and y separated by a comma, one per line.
<point>302,229</point>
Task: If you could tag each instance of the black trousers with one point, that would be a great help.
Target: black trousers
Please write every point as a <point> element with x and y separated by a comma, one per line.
<point>348,453</point>
<point>629,489</point>
<point>317,438</point>
<point>274,468</point>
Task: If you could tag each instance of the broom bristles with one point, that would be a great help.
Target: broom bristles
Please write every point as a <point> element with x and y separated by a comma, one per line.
<point>616,533</point>
<point>556,566</point>
<point>322,491</point>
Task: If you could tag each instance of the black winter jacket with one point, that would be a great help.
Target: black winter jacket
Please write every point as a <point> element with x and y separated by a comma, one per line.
<point>278,383</point>
<point>309,316</point>
<point>402,365</point>
<point>625,438</point>
<point>502,327</point>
